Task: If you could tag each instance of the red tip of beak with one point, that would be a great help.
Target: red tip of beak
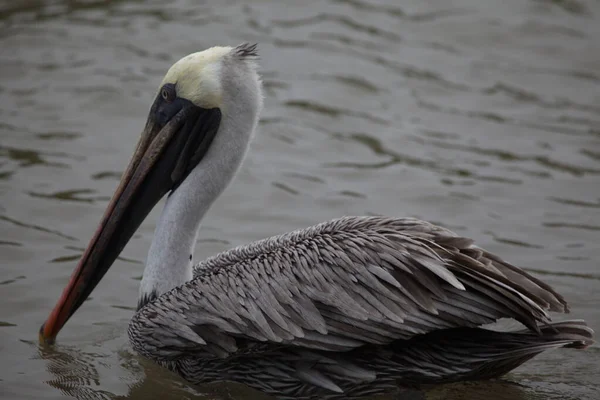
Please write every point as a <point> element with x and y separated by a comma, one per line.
<point>62,310</point>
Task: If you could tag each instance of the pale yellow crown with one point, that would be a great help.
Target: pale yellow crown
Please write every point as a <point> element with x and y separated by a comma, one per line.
<point>197,77</point>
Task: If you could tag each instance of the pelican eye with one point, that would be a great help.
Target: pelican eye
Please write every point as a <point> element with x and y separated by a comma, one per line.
<point>168,93</point>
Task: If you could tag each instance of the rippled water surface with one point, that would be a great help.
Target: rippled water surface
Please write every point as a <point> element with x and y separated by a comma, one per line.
<point>483,116</point>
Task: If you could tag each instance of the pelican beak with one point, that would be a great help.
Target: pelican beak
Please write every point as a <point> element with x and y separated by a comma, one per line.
<point>176,137</point>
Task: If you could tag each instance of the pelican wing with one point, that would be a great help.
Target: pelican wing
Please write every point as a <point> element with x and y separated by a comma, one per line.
<point>337,286</point>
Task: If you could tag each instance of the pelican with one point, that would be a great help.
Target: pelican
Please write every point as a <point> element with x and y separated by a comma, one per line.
<point>350,307</point>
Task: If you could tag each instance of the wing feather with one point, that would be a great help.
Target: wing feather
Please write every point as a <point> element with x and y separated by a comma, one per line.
<point>337,286</point>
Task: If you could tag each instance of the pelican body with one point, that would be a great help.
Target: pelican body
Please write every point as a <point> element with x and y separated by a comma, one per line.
<point>347,308</point>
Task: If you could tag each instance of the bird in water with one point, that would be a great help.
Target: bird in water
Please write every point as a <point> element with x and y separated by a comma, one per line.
<point>350,307</point>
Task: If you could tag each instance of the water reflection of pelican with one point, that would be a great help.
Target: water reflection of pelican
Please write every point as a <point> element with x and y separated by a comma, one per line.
<point>343,309</point>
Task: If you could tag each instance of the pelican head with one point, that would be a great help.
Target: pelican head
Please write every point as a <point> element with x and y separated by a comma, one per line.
<point>201,121</point>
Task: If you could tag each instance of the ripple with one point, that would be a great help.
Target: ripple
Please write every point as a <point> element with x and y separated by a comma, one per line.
<point>571,225</point>
<point>440,135</point>
<point>421,74</point>
<point>399,13</point>
<point>499,179</point>
<point>58,135</point>
<point>574,202</point>
<point>586,122</point>
<point>35,227</point>
<point>514,242</point>
<point>79,250</point>
<point>572,258</point>
<point>345,40</point>
<point>71,195</point>
<point>144,53</point>
<point>306,177</point>
<point>65,259</point>
<point>331,111</point>
<point>544,29</point>
<point>341,20</point>
<point>531,173</point>
<point>214,240</point>
<point>452,227</point>
<point>357,82</point>
<point>103,89</point>
<point>465,196</point>
<point>285,188</point>
<point>564,167</point>
<point>430,76</point>
<point>114,175</point>
<point>594,155</point>
<point>371,142</point>
<point>514,93</point>
<point>505,155</point>
<point>377,147</point>
<point>350,193</point>
<point>30,157</point>
<point>574,7</point>
<point>395,158</point>
<point>516,67</point>
<point>9,243</point>
<point>272,86</point>
<point>562,273</point>
<point>126,308</point>
<point>9,281</point>
<point>365,6</point>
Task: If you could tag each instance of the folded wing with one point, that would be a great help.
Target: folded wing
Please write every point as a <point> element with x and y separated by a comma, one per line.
<point>337,286</point>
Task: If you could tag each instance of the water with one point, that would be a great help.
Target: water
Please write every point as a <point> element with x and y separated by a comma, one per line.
<point>482,116</point>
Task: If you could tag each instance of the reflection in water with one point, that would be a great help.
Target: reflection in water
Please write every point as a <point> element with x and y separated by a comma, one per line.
<point>79,374</point>
<point>500,390</point>
<point>74,372</point>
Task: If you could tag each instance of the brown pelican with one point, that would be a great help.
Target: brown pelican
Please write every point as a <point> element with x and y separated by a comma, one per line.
<point>343,309</point>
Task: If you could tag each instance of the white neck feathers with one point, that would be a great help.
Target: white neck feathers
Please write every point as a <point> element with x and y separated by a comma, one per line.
<point>169,262</point>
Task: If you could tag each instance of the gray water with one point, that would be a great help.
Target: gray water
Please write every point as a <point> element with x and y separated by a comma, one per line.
<point>482,116</point>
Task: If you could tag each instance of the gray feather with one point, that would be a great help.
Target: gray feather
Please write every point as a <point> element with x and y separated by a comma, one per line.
<point>340,286</point>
